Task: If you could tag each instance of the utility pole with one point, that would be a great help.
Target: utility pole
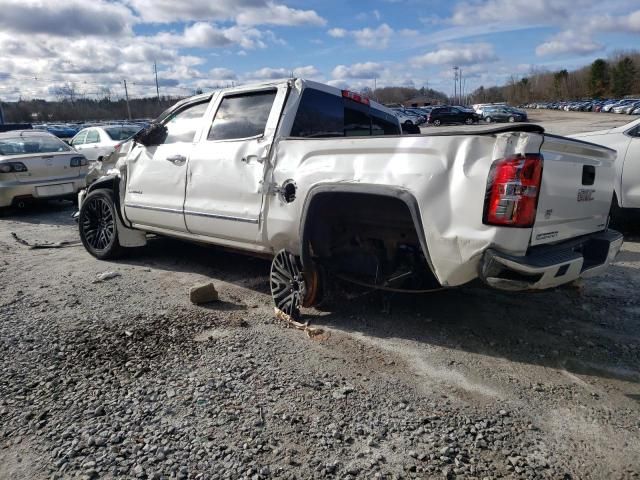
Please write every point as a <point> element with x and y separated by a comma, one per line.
<point>126,96</point>
<point>455,83</point>
<point>155,70</point>
<point>460,89</point>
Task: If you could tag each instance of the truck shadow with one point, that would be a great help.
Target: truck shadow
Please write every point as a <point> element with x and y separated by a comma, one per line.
<point>591,330</point>
<point>584,331</point>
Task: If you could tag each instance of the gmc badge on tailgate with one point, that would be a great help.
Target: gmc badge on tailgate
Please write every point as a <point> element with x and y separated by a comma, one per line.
<point>585,195</point>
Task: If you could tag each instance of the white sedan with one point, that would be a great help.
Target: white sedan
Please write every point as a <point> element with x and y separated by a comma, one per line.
<point>626,141</point>
<point>97,143</point>
<point>36,165</point>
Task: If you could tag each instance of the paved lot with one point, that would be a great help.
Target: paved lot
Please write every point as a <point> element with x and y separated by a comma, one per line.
<point>124,378</point>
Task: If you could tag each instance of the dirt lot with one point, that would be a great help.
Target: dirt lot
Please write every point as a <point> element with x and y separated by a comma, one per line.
<point>124,378</point>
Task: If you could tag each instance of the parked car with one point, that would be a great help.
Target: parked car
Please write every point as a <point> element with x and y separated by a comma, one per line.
<point>409,116</point>
<point>502,114</point>
<point>98,142</point>
<point>37,165</point>
<point>448,115</point>
<point>60,131</point>
<point>626,141</point>
<point>291,169</point>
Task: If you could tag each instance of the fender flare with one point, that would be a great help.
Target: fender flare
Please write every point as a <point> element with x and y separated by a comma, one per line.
<point>361,188</point>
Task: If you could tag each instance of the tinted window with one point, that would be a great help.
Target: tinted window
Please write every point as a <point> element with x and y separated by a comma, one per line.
<point>322,114</point>
<point>92,137</point>
<point>121,133</point>
<point>356,122</point>
<point>182,126</point>
<point>242,116</point>
<point>79,139</point>
<point>383,123</point>
<point>32,144</point>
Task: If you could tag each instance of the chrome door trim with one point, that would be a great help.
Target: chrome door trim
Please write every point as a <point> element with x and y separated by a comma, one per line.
<point>220,217</point>
<point>156,209</point>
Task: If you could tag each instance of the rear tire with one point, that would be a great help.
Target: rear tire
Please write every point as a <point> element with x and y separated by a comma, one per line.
<point>469,121</point>
<point>512,119</point>
<point>437,123</point>
<point>488,119</point>
<point>98,227</point>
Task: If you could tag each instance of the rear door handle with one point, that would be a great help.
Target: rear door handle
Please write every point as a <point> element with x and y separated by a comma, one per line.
<point>177,159</point>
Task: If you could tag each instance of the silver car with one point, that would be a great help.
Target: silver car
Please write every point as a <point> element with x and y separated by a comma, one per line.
<point>97,143</point>
<point>37,165</point>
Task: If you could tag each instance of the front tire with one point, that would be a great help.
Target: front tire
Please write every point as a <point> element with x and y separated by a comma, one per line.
<point>437,123</point>
<point>98,226</point>
<point>469,121</point>
<point>512,119</point>
<point>488,119</point>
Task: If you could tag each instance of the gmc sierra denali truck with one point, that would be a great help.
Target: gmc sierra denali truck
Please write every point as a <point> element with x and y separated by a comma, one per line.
<point>324,182</point>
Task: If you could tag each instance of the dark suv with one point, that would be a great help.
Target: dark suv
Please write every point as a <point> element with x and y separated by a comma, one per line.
<point>443,115</point>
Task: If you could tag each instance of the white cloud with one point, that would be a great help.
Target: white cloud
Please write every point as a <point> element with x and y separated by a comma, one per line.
<point>568,42</point>
<point>269,73</point>
<point>357,70</point>
<point>377,38</point>
<point>206,35</point>
<point>457,54</point>
<point>373,38</point>
<point>337,32</point>
<point>71,18</point>
<point>528,11</point>
<point>273,14</point>
<point>244,12</point>
<point>222,74</point>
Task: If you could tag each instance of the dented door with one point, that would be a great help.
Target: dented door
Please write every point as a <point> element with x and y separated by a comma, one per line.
<point>226,168</point>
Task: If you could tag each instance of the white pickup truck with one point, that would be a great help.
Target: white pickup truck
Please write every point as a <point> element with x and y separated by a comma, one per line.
<point>323,181</point>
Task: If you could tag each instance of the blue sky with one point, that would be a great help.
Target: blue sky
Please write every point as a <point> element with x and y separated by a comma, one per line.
<point>93,46</point>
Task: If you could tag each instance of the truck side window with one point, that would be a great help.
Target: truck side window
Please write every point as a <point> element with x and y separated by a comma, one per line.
<point>383,123</point>
<point>357,123</point>
<point>322,114</point>
<point>319,114</point>
<point>242,116</point>
<point>183,125</point>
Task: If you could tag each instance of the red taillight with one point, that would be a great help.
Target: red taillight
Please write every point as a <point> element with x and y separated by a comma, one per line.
<point>512,191</point>
<point>117,148</point>
<point>355,97</point>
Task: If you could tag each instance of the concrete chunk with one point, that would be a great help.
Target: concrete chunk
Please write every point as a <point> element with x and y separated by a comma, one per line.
<point>203,294</point>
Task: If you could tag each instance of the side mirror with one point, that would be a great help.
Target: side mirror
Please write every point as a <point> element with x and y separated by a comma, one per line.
<point>154,134</point>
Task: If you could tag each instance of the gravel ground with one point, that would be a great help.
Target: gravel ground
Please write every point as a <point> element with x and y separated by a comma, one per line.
<point>124,378</point>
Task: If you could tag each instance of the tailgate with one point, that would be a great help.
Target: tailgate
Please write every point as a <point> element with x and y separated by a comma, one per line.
<point>576,191</point>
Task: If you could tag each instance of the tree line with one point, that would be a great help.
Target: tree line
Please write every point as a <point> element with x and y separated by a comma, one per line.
<point>84,109</point>
<point>71,107</point>
<point>615,77</point>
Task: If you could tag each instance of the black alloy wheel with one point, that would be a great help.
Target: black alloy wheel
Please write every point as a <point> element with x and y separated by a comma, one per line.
<point>288,287</point>
<point>97,224</point>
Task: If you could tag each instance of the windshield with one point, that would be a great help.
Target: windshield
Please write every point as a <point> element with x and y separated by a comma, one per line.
<point>121,133</point>
<point>31,144</point>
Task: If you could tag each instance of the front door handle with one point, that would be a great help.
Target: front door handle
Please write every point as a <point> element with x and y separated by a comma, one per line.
<point>177,159</point>
<point>252,158</point>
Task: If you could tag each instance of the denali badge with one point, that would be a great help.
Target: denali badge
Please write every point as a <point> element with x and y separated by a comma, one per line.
<point>585,195</point>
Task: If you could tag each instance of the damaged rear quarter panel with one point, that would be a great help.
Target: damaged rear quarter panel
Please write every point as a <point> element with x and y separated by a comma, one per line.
<point>447,176</point>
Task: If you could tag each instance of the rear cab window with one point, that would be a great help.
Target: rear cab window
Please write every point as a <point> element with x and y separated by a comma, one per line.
<point>22,145</point>
<point>321,114</point>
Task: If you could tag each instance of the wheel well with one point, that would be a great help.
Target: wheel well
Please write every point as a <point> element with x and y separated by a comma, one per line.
<point>366,235</point>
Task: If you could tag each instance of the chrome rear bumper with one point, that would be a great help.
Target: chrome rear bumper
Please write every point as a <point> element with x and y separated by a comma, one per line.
<point>549,266</point>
